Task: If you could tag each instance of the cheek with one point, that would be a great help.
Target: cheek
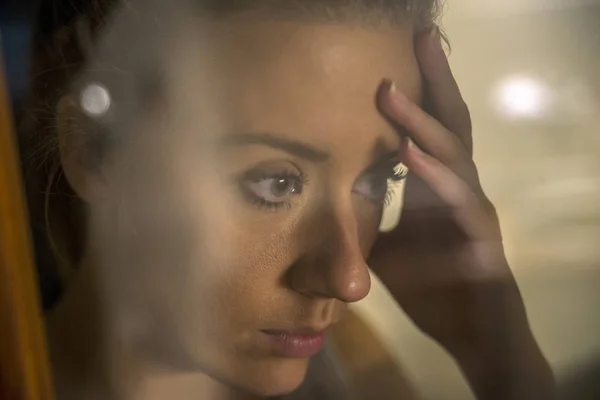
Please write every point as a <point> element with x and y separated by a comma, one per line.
<point>163,236</point>
<point>196,253</point>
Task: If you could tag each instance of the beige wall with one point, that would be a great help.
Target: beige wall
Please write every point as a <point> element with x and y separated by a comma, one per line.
<point>543,174</point>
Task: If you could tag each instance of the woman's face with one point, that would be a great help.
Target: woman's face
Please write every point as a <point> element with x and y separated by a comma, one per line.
<point>240,211</point>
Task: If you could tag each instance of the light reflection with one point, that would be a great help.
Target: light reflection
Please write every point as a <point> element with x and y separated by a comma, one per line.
<point>95,100</point>
<point>522,97</point>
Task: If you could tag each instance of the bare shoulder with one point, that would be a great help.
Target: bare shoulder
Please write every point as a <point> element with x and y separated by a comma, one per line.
<point>374,372</point>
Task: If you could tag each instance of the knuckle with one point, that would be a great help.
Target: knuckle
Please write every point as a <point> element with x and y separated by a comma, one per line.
<point>466,112</point>
<point>488,207</point>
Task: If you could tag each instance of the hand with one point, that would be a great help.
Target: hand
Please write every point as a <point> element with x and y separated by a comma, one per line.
<point>445,262</point>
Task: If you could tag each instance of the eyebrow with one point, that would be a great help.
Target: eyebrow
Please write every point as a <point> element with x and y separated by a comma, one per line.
<point>294,147</point>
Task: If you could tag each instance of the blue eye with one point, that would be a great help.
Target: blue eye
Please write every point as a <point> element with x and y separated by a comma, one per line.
<point>372,187</point>
<point>275,189</point>
<point>272,190</point>
<point>374,183</point>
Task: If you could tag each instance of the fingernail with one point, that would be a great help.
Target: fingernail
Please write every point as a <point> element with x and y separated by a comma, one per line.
<point>412,147</point>
<point>396,95</point>
<point>391,86</point>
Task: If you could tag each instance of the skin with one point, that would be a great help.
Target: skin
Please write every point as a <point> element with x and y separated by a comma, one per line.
<point>454,280</point>
<point>184,267</point>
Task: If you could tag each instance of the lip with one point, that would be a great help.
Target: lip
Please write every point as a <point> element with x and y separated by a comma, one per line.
<point>296,344</point>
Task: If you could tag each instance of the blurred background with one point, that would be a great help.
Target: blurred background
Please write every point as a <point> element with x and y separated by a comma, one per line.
<point>530,72</point>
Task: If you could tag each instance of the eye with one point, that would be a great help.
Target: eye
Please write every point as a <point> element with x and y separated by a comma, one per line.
<point>272,190</point>
<point>373,184</point>
<point>275,189</point>
<point>372,187</point>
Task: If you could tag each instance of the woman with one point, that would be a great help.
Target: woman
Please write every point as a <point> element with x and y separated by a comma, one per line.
<point>215,172</point>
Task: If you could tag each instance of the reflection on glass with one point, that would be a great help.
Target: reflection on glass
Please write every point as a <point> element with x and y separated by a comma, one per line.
<point>95,100</point>
<point>215,229</point>
<point>522,97</point>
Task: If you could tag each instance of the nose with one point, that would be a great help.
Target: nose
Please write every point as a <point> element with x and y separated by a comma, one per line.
<point>334,267</point>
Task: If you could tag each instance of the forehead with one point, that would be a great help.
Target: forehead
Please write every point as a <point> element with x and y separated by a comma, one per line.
<point>311,81</point>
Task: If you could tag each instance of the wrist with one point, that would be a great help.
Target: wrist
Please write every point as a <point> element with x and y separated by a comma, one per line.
<point>513,370</point>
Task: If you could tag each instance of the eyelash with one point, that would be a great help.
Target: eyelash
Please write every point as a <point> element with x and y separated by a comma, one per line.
<point>298,178</point>
<point>397,173</point>
<point>400,172</point>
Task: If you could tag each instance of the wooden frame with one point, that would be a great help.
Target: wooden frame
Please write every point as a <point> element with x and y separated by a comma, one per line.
<point>24,365</point>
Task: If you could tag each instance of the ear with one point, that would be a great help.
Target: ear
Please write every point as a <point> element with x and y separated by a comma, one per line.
<point>80,160</point>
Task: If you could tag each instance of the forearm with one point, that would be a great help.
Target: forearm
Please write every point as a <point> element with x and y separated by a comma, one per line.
<point>513,371</point>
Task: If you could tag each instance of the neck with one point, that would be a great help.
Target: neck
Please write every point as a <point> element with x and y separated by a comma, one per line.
<point>93,358</point>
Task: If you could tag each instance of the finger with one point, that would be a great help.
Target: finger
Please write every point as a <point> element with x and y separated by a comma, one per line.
<point>467,207</point>
<point>434,138</point>
<point>442,91</point>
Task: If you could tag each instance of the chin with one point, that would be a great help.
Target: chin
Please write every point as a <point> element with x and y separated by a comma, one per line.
<point>276,377</point>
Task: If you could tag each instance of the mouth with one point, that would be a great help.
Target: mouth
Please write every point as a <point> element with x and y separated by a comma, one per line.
<point>302,343</point>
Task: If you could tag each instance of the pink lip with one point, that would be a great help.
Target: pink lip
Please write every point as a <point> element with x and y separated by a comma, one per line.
<point>296,344</point>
